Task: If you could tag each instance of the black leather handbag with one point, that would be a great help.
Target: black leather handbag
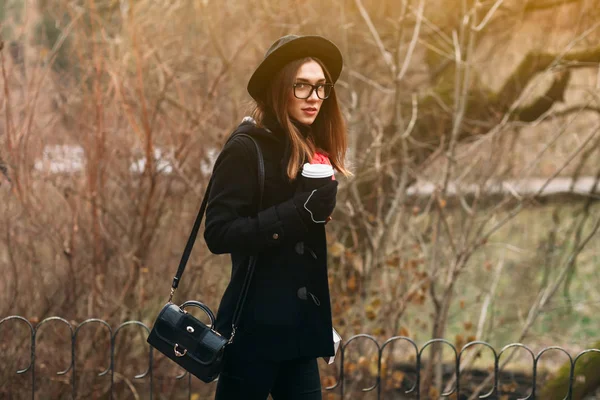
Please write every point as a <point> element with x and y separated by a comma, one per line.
<point>196,347</point>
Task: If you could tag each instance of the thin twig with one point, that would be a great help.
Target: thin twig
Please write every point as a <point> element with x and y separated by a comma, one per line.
<point>413,41</point>
<point>384,53</point>
<point>488,16</point>
<point>540,303</point>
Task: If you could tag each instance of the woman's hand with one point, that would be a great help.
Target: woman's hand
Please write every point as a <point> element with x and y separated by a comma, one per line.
<point>315,207</point>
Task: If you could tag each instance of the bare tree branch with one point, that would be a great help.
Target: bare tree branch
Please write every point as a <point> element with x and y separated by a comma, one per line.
<point>532,6</point>
<point>387,57</point>
<point>534,63</point>
<point>554,94</point>
<point>542,300</point>
<point>413,41</point>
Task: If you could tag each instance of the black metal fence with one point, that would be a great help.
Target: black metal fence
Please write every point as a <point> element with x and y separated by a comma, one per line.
<point>408,387</point>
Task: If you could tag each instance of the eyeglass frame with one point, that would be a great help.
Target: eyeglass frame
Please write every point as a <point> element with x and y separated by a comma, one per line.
<point>313,88</point>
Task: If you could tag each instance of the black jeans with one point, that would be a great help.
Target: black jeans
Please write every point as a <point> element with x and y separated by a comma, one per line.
<point>244,379</point>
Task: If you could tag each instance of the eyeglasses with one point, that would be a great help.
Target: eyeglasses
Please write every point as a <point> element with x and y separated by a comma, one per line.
<point>305,90</point>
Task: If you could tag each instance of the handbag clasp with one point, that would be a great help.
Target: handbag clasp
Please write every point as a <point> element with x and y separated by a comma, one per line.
<point>178,353</point>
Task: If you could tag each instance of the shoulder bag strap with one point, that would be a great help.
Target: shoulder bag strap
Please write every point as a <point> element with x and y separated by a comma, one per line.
<point>240,131</point>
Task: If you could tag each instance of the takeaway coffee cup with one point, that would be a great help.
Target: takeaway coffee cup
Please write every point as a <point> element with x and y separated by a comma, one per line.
<point>315,175</point>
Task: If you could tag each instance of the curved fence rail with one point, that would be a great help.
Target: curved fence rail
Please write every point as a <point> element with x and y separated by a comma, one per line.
<point>408,389</point>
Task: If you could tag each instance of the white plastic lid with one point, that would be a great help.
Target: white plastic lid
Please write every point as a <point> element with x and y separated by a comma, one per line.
<point>317,170</point>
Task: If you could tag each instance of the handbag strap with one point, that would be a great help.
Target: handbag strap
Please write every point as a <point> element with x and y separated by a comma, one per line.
<point>240,131</point>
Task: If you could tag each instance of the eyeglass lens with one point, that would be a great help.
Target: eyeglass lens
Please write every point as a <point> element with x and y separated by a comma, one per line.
<point>304,90</point>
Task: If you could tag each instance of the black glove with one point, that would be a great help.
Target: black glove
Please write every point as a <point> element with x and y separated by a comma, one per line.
<point>315,206</point>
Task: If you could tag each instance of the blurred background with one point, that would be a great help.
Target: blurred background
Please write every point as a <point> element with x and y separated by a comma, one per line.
<point>472,214</point>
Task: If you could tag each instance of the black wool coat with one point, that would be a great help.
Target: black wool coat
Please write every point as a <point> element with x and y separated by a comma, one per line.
<point>287,313</point>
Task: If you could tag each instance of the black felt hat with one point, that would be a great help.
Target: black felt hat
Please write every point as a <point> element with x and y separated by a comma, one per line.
<point>289,48</point>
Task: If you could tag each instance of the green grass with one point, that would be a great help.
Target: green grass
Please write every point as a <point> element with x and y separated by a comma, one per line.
<point>567,322</point>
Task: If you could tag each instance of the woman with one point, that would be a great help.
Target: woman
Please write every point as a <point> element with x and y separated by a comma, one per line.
<point>285,324</point>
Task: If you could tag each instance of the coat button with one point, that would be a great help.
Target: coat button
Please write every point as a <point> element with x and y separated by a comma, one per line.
<point>302,293</point>
<point>276,236</point>
<point>299,248</point>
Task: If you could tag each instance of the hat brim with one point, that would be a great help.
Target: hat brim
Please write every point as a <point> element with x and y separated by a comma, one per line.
<point>304,46</point>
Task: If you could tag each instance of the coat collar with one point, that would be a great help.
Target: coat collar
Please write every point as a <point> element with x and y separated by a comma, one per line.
<point>271,123</point>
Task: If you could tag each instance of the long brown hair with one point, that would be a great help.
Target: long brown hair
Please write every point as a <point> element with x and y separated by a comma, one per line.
<point>328,131</point>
